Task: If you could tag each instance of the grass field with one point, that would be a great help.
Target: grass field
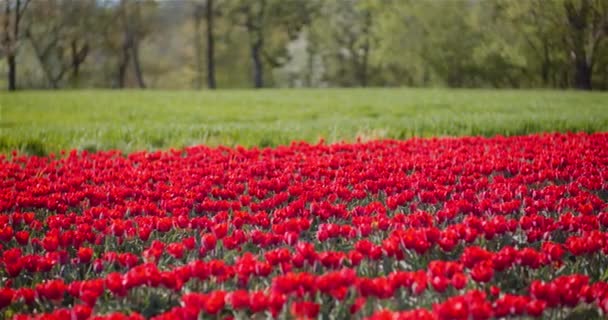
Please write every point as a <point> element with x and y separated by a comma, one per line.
<point>48,121</point>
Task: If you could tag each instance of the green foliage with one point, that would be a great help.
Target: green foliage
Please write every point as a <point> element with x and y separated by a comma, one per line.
<point>318,43</point>
<point>41,122</point>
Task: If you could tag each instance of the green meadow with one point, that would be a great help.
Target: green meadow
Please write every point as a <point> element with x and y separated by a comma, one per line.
<point>44,122</point>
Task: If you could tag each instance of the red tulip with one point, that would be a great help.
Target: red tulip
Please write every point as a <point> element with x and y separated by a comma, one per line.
<point>22,237</point>
<point>6,297</point>
<point>305,309</point>
<point>85,254</point>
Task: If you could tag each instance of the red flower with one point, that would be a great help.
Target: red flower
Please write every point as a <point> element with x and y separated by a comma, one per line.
<point>215,302</point>
<point>189,243</point>
<point>357,305</point>
<point>114,283</point>
<point>482,272</point>
<point>28,295</point>
<point>6,297</point>
<point>459,281</point>
<point>258,302</point>
<point>81,312</point>
<point>439,283</point>
<point>209,241</point>
<point>13,269</point>
<point>164,224</point>
<point>536,308</point>
<point>494,291</point>
<point>22,237</point>
<point>144,233</point>
<point>220,230</point>
<point>98,265</point>
<point>6,233</point>
<point>176,250</point>
<point>453,308</point>
<point>85,254</point>
<point>50,243</point>
<point>305,309</point>
<point>51,289</point>
<point>239,299</point>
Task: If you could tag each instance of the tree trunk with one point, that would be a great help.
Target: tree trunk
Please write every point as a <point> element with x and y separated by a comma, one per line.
<point>6,42</point>
<point>45,57</point>
<point>366,48</point>
<point>578,23</point>
<point>10,42</point>
<point>138,72</point>
<point>310,59</point>
<point>210,46</point>
<point>546,64</point>
<point>78,57</point>
<point>258,67</point>
<point>364,65</point>
<point>254,22</point>
<point>122,67</point>
<point>75,63</point>
<point>12,72</point>
<point>134,43</point>
<point>198,47</point>
<point>123,62</point>
<point>582,75</point>
<point>130,46</point>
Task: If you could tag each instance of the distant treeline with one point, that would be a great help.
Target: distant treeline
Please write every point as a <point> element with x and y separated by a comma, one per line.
<point>192,44</point>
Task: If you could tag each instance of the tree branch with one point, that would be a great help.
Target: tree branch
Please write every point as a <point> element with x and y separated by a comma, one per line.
<point>25,4</point>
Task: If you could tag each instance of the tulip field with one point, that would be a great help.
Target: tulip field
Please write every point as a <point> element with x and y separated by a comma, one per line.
<point>433,228</point>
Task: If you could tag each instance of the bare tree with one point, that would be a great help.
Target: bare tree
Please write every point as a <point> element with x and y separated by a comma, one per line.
<point>12,37</point>
<point>78,53</point>
<point>50,56</point>
<point>46,39</point>
<point>132,35</point>
<point>60,38</point>
<point>80,24</point>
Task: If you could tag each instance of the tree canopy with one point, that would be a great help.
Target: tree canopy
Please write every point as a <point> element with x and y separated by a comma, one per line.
<point>303,43</point>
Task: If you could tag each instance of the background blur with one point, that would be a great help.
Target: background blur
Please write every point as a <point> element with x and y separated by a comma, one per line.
<point>191,44</point>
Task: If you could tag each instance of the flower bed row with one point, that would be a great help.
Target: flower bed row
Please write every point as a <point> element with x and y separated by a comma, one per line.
<point>451,228</point>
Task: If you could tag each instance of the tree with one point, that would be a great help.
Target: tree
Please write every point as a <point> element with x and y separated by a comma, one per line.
<point>562,33</point>
<point>198,46</point>
<point>12,37</point>
<point>431,42</point>
<point>81,19</point>
<point>48,46</point>
<point>175,44</point>
<point>270,25</point>
<point>132,38</point>
<point>48,38</point>
<point>587,30</point>
<point>208,11</point>
<point>533,21</point>
<point>254,14</point>
<point>135,27</point>
<point>345,29</point>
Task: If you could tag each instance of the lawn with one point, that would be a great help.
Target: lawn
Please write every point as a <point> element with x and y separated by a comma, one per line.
<point>41,122</point>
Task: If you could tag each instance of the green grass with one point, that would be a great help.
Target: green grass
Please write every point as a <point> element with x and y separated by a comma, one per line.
<point>42,122</point>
